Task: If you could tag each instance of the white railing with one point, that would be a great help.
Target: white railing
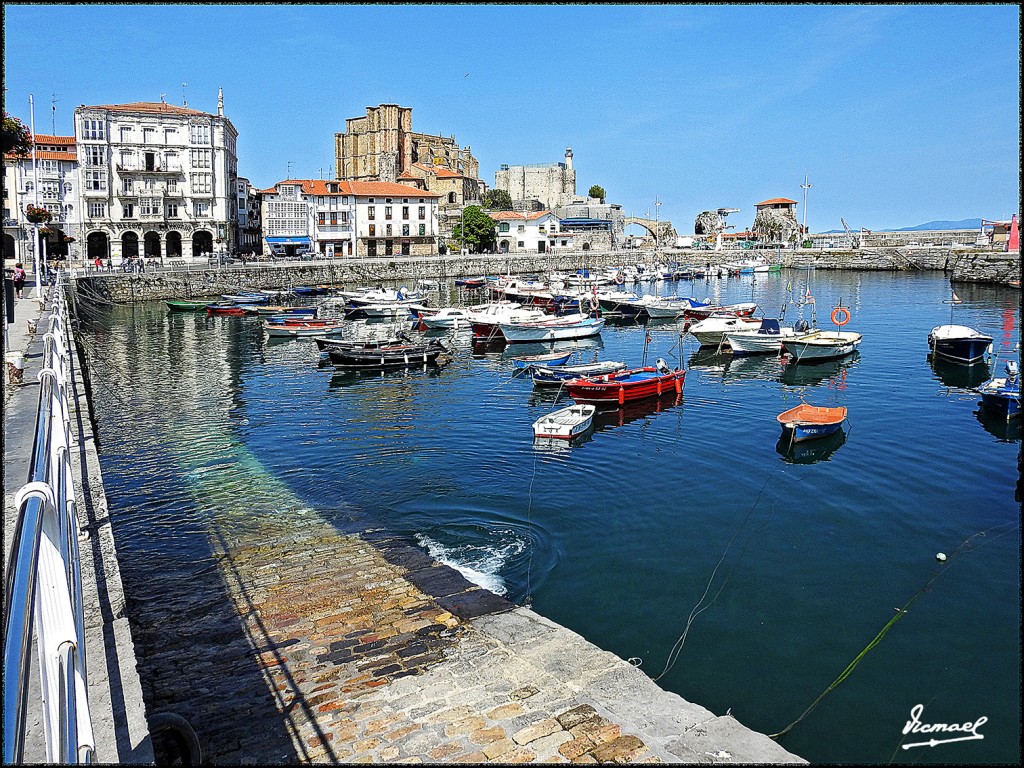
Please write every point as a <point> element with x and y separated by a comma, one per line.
<point>43,580</point>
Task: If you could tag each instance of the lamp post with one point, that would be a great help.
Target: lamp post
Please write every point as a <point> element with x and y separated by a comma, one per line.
<point>657,228</point>
<point>36,242</point>
<point>805,186</point>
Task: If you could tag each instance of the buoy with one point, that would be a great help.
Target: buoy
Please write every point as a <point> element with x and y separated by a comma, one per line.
<point>940,557</point>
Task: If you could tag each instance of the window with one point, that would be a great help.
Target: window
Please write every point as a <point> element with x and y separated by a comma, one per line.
<point>387,230</point>
<point>405,230</point>
<point>423,211</point>
<point>171,162</point>
<point>373,230</point>
<point>128,185</point>
<point>405,211</point>
<point>48,166</point>
<point>201,183</point>
<point>334,217</point>
<point>172,185</point>
<point>172,210</point>
<point>519,243</point>
<point>503,227</point>
<point>521,228</point>
<point>200,209</point>
<point>200,158</point>
<point>170,136</point>
<point>96,180</point>
<point>127,159</point>
<point>322,218</point>
<point>199,134</point>
<point>50,190</point>
<point>126,133</point>
<point>149,206</point>
<point>95,155</point>
<point>452,197</point>
<point>344,217</point>
<point>371,212</point>
<point>387,211</point>
<point>423,229</point>
<point>405,248</point>
<point>148,135</point>
<point>93,129</point>
<point>97,210</point>
<point>53,208</point>
<point>128,211</point>
<point>149,183</point>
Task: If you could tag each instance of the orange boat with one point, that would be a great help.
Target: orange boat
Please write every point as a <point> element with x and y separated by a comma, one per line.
<point>807,422</point>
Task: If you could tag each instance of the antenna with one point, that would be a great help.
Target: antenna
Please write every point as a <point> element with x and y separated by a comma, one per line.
<point>288,175</point>
<point>183,102</point>
<point>53,111</point>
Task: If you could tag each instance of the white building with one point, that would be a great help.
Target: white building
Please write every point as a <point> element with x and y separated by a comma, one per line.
<point>248,204</point>
<point>349,218</point>
<point>52,183</point>
<point>157,179</point>
<point>536,232</point>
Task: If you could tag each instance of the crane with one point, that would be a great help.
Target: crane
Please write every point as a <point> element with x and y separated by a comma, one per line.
<point>854,239</point>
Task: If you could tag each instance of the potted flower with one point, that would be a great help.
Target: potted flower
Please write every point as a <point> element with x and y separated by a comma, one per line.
<point>37,214</point>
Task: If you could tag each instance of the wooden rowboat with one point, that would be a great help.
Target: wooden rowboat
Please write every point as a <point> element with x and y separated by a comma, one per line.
<point>187,306</point>
<point>566,423</point>
<point>807,422</point>
<point>627,385</point>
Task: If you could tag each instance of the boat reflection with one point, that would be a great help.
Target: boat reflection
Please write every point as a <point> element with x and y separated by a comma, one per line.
<point>812,374</point>
<point>745,367</point>
<point>554,445</point>
<point>959,375</point>
<point>810,451</point>
<point>346,377</point>
<point>549,396</point>
<point>707,359</point>
<point>997,425</point>
<point>510,351</point>
<point>606,419</point>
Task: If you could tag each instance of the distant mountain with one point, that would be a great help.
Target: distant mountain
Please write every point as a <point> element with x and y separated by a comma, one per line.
<point>962,224</point>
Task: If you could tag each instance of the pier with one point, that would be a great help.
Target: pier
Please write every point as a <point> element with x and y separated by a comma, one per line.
<point>342,647</point>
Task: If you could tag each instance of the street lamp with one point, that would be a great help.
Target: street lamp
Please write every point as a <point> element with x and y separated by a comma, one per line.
<point>805,186</point>
<point>657,228</point>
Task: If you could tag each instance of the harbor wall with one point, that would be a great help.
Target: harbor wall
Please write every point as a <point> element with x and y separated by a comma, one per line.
<point>966,265</point>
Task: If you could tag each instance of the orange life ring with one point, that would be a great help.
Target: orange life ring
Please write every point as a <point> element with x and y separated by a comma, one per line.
<point>842,312</point>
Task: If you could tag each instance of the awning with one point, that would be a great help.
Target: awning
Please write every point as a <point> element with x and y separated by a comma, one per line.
<point>288,240</point>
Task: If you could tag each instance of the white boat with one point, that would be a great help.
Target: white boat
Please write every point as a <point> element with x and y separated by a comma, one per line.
<point>565,424</point>
<point>486,319</point>
<point>764,340</point>
<point>958,343</point>
<point>711,332</point>
<point>447,317</point>
<point>657,307</point>
<point>821,345</point>
<point>555,329</point>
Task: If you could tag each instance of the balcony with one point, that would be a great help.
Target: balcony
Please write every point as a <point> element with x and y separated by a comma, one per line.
<point>136,168</point>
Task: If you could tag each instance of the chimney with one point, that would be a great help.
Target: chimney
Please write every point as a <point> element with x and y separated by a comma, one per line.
<point>220,102</point>
<point>568,158</point>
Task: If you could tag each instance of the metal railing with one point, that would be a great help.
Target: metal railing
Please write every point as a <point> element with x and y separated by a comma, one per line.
<point>43,580</point>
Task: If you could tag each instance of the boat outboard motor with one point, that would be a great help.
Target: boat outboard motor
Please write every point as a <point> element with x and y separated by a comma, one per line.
<point>1011,369</point>
<point>403,292</point>
<point>801,325</point>
<point>662,366</point>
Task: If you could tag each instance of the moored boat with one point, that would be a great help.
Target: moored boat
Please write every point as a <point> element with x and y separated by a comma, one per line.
<point>245,298</point>
<point>394,356</point>
<point>627,385</point>
<point>818,345</point>
<point>958,343</point>
<point>566,423</point>
<point>699,311</point>
<point>806,422</point>
<point>299,329</point>
<point>183,305</point>
<point>711,331</point>
<point>555,329</point>
<point>766,339</point>
<point>546,375</point>
<point>1001,396</point>
<point>446,317</point>
<point>229,310</point>
<point>547,359</point>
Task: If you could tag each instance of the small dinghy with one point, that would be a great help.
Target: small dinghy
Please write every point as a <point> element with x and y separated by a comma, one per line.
<point>548,359</point>
<point>806,422</point>
<point>566,423</point>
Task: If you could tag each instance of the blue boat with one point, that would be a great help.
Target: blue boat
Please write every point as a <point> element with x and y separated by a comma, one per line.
<point>958,343</point>
<point>1001,396</point>
<point>245,297</point>
<point>807,422</point>
<point>548,376</point>
<point>547,359</point>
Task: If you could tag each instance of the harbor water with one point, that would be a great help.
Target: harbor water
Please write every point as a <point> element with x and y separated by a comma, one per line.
<point>682,534</point>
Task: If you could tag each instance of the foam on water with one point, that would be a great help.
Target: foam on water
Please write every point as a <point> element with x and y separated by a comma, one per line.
<point>479,564</point>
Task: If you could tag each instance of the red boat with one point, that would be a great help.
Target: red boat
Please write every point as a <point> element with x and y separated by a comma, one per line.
<point>628,385</point>
<point>230,310</point>
<point>712,310</point>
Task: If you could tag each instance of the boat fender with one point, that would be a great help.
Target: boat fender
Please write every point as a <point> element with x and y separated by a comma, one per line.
<point>840,316</point>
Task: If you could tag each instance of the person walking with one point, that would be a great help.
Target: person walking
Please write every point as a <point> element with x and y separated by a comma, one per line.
<point>19,278</point>
<point>142,264</point>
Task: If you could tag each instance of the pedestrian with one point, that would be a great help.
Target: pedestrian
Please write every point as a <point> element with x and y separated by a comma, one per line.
<point>110,263</point>
<point>98,263</point>
<point>142,263</point>
<point>19,280</point>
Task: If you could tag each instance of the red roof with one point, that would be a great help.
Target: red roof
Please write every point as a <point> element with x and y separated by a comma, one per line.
<point>515,215</point>
<point>440,171</point>
<point>157,107</point>
<point>42,138</point>
<point>44,155</point>
<point>357,188</point>
<point>777,201</point>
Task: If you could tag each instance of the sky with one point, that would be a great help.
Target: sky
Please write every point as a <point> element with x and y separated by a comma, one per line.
<point>896,114</point>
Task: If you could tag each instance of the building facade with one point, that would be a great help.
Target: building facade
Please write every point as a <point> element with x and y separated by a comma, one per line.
<point>530,232</point>
<point>52,183</point>
<point>550,184</point>
<point>249,228</point>
<point>336,219</point>
<point>157,180</point>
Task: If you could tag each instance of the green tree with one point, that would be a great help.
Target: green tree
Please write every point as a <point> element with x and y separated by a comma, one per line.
<point>597,191</point>
<point>480,235</point>
<point>498,200</point>
<point>17,139</point>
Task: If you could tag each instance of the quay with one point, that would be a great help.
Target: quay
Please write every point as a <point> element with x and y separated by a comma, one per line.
<point>352,648</point>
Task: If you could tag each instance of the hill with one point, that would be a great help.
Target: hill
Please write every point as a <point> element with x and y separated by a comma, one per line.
<point>962,224</point>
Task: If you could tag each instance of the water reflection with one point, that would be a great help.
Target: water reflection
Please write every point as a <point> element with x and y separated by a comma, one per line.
<point>959,375</point>
<point>997,425</point>
<point>810,451</point>
<point>832,372</point>
<point>606,419</point>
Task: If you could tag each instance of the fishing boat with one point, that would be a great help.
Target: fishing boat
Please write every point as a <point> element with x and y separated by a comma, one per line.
<point>554,376</point>
<point>299,330</point>
<point>806,422</point>
<point>1001,396</point>
<point>388,309</point>
<point>566,423</point>
<point>627,385</point>
<point>298,319</point>
<point>711,331</point>
<point>277,309</point>
<point>183,305</point>
<point>817,345</point>
<point>701,311</point>
<point>486,319</point>
<point>555,329</point>
<point>548,359</point>
<point>657,307</point>
<point>393,356</point>
<point>229,310</point>
<point>245,297</point>
<point>446,317</point>
<point>958,343</point>
<point>471,282</point>
<point>325,343</point>
<point>766,339</point>
<point>624,303</point>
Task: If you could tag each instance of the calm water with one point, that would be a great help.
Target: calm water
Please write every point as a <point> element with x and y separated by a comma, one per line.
<point>784,566</point>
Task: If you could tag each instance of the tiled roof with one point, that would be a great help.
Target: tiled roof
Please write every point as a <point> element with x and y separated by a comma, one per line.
<point>157,107</point>
<point>42,138</point>
<point>440,171</point>
<point>777,201</point>
<point>357,188</point>
<point>515,215</point>
<point>44,155</point>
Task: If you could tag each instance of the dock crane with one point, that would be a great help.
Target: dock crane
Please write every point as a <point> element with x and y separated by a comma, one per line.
<point>854,239</point>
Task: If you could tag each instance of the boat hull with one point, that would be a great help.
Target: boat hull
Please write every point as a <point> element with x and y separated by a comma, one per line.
<point>1001,398</point>
<point>384,357</point>
<point>187,306</point>
<point>967,346</point>
<point>820,346</point>
<point>625,386</point>
<point>545,376</point>
<point>565,424</point>
<point>549,332</point>
<point>808,422</point>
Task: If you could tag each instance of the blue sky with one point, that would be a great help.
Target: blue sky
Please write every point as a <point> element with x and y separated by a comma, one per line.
<point>899,114</point>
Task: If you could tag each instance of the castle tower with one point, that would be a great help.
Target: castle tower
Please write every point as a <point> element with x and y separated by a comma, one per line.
<point>568,158</point>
